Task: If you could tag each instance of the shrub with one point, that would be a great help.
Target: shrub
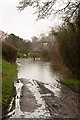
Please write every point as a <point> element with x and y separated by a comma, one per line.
<point>57,61</point>
<point>68,46</point>
<point>9,52</point>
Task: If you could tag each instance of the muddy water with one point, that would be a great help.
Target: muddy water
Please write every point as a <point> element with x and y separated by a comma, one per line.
<point>37,70</point>
<point>39,95</point>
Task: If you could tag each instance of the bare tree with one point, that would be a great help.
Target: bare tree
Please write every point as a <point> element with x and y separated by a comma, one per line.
<point>35,39</point>
<point>47,8</point>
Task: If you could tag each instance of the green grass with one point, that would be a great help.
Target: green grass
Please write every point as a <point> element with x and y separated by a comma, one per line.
<point>73,83</point>
<point>69,80</point>
<point>8,73</point>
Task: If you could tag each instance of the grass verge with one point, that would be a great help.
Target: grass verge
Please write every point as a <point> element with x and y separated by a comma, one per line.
<point>72,83</point>
<point>8,73</point>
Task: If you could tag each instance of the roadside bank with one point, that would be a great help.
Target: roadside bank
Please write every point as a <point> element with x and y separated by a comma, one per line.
<point>9,72</point>
<point>73,84</point>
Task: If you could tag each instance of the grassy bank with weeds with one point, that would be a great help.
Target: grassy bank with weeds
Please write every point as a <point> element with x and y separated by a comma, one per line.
<point>72,83</point>
<point>9,72</point>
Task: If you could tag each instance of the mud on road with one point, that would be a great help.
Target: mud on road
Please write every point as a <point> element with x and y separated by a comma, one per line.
<point>35,99</point>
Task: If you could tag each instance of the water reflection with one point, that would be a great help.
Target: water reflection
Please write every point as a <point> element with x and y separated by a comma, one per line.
<point>37,70</point>
<point>40,71</point>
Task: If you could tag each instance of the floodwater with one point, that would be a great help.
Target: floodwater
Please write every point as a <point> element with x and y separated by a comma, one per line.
<point>37,70</point>
<point>39,95</point>
<point>40,71</point>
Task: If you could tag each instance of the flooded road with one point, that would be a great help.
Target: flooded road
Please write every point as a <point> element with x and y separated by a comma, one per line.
<point>39,95</point>
<point>37,70</point>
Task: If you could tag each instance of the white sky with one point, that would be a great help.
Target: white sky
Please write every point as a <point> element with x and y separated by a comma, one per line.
<point>22,23</point>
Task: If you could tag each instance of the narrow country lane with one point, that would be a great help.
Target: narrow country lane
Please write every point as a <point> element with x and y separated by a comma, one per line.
<point>39,95</point>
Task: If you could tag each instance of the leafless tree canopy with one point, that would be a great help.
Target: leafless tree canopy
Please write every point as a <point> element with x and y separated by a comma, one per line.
<point>47,8</point>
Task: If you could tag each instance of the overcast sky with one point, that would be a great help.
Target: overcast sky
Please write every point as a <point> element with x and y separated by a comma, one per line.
<point>22,23</point>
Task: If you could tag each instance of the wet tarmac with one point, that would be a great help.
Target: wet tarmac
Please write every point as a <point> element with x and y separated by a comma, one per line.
<point>44,98</point>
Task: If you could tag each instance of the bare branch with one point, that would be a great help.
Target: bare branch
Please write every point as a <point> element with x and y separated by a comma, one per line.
<point>46,8</point>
